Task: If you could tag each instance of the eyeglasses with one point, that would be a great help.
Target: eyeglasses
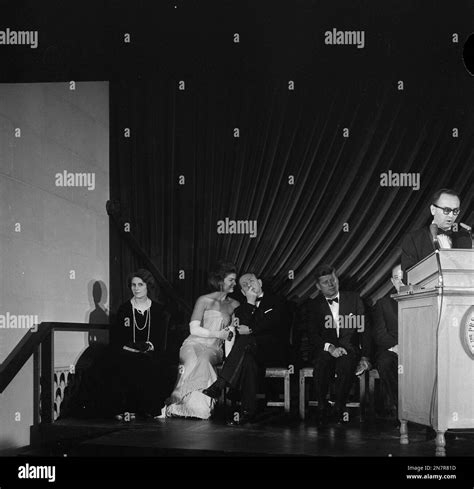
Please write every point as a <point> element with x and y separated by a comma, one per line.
<point>448,210</point>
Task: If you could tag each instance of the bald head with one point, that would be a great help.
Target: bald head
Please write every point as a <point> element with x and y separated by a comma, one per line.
<point>250,281</point>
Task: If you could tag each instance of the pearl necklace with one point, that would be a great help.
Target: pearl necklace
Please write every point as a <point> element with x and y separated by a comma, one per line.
<point>147,323</point>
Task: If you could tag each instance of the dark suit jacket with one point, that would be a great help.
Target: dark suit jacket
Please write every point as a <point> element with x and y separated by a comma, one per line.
<point>385,323</point>
<point>317,314</point>
<point>419,244</point>
<point>270,325</point>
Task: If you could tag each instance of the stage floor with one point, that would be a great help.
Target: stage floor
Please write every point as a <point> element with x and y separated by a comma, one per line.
<point>275,434</point>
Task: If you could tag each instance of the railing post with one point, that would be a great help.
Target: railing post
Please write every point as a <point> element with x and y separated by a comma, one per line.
<point>36,386</point>
<point>35,434</point>
<point>47,378</point>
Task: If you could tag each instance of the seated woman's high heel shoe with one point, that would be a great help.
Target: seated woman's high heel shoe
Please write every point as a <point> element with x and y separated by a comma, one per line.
<point>162,415</point>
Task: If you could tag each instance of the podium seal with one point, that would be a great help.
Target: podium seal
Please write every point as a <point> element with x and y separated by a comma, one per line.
<point>467,331</point>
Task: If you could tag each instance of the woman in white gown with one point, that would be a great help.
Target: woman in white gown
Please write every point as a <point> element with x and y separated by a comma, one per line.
<point>202,349</point>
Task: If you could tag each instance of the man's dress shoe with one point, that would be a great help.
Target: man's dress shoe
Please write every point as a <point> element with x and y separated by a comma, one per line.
<point>212,391</point>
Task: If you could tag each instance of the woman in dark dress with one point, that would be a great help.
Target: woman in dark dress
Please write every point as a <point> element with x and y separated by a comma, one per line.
<point>132,375</point>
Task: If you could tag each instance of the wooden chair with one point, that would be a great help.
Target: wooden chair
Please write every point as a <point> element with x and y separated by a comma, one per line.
<point>285,372</point>
<point>281,373</point>
<point>271,372</point>
<point>307,372</point>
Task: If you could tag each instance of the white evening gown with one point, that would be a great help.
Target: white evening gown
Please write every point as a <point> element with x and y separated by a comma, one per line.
<point>198,356</point>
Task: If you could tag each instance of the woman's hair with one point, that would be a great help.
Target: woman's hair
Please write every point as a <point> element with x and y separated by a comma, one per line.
<point>219,273</point>
<point>146,276</point>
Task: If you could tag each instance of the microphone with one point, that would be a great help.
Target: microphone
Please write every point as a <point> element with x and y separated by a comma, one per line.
<point>469,231</point>
<point>434,235</point>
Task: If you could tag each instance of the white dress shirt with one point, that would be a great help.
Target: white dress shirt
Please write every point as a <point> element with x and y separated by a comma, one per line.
<point>443,239</point>
<point>335,314</point>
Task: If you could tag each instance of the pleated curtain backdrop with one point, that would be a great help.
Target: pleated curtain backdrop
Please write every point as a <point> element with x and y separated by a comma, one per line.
<point>305,165</point>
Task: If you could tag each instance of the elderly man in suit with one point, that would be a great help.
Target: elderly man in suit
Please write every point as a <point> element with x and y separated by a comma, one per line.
<point>445,208</point>
<point>338,332</point>
<point>262,340</point>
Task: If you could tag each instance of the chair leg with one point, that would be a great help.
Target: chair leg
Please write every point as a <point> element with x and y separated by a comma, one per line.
<point>362,395</point>
<point>372,394</point>
<point>302,395</point>
<point>287,392</point>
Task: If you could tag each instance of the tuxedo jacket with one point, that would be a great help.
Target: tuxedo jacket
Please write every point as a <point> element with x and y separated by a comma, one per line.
<point>385,323</point>
<point>321,329</point>
<point>419,244</point>
<point>270,325</point>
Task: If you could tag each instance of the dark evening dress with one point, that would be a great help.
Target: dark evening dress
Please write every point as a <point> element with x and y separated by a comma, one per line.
<point>134,379</point>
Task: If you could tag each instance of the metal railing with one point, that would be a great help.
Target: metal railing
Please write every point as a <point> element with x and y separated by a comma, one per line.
<point>40,345</point>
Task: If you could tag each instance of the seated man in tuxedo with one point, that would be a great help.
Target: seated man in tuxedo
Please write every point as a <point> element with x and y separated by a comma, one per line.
<point>261,341</point>
<point>445,208</point>
<point>385,334</point>
<point>338,332</point>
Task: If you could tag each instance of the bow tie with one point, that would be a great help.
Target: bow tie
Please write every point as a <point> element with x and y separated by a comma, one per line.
<point>330,301</point>
<point>449,232</point>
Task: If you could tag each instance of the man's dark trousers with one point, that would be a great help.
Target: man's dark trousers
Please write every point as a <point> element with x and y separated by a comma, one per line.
<point>241,371</point>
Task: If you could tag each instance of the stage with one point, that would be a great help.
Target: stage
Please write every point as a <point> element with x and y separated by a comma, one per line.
<point>278,447</point>
<point>275,434</point>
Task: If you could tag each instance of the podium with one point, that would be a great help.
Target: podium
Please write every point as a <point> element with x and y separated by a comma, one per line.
<point>436,345</point>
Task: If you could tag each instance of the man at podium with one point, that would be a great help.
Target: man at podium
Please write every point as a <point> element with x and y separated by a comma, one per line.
<point>445,208</point>
<point>435,317</point>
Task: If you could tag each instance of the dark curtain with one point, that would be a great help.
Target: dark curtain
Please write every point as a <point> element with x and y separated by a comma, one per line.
<point>283,133</point>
